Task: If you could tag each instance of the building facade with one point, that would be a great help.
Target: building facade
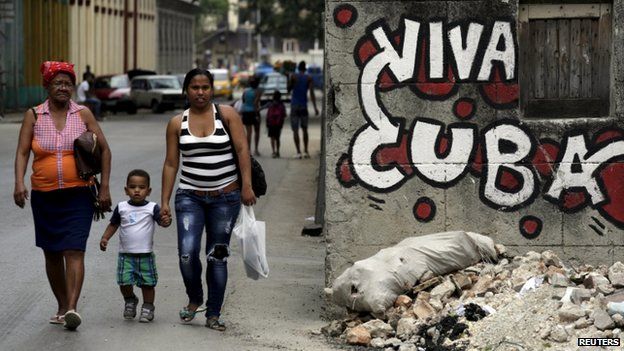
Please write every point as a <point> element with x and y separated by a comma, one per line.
<point>504,118</point>
<point>111,36</point>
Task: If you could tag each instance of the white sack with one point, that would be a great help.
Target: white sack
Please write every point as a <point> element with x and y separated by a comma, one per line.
<point>373,284</point>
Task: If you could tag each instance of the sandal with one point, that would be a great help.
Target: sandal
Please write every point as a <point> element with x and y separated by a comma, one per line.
<point>72,320</point>
<point>187,315</point>
<point>57,319</point>
<point>215,323</point>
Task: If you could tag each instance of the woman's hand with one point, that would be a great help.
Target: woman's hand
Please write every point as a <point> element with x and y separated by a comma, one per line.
<point>20,195</point>
<point>104,199</point>
<point>248,198</point>
<point>165,214</point>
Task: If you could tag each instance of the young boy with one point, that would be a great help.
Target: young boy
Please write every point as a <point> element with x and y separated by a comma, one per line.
<point>136,265</point>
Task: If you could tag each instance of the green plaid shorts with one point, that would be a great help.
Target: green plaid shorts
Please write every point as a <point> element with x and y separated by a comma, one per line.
<point>137,269</point>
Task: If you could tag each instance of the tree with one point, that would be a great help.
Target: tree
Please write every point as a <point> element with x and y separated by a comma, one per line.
<point>299,19</point>
<point>214,7</point>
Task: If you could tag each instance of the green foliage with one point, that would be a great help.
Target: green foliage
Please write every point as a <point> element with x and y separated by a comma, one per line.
<point>300,19</point>
<point>214,7</point>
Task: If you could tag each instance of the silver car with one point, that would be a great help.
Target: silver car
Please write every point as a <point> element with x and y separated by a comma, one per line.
<point>271,82</point>
<point>160,93</point>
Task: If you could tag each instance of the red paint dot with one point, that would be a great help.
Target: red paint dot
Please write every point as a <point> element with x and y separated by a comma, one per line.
<point>443,145</point>
<point>344,16</point>
<point>530,226</point>
<point>477,163</point>
<point>464,109</point>
<point>366,50</point>
<point>424,209</point>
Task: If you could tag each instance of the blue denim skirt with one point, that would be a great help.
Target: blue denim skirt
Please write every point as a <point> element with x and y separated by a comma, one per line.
<point>62,218</point>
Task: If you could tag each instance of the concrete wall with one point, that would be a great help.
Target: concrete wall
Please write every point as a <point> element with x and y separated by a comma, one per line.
<point>407,154</point>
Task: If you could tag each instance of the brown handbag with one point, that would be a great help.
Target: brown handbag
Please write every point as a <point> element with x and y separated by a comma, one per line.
<point>88,156</point>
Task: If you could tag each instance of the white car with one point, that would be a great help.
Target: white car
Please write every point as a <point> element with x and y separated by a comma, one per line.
<point>158,92</point>
<point>271,82</point>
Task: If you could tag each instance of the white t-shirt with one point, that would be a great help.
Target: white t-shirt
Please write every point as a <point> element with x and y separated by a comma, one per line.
<point>82,90</point>
<point>136,226</point>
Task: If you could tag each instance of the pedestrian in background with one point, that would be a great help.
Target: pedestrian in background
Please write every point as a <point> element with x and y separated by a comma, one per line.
<point>136,263</point>
<point>86,96</point>
<point>251,111</point>
<point>62,203</point>
<point>210,191</point>
<point>276,114</point>
<point>300,84</point>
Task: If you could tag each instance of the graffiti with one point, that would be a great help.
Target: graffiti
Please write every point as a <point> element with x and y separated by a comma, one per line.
<point>514,167</point>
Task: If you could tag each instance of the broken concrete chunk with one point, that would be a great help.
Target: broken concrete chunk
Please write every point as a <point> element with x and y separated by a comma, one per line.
<point>334,329</point>
<point>559,280</point>
<point>618,320</point>
<point>358,336</point>
<point>403,301</point>
<point>551,259</point>
<point>423,310</point>
<point>406,327</point>
<point>377,343</point>
<point>578,295</point>
<point>616,296</point>
<point>394,342</point>
<point>616,274</point>
<point>602,320</point>
<point>483,285</point>
<point>378,328</point>
<point>605,289</point>
<point>427,284</point>
<point>423,296</point>
<point>443,291</point>
<point>583,323</point>
<point>436,304</point>
<point>408,347</point>
<point>570,313</point>
<point>559,334</point>
<point>593,280</point>
<point>501,250</point>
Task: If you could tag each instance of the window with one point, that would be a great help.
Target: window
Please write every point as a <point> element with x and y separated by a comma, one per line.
<point>565,57</point>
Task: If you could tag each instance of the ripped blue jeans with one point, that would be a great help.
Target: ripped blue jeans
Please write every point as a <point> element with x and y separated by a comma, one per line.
<point>218,215</point>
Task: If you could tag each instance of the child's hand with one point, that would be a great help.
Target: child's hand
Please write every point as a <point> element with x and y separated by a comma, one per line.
<point>165,220</point>
<point>103,244</point>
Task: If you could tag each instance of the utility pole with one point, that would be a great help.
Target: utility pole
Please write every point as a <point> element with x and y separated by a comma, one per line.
<point>259,36</point>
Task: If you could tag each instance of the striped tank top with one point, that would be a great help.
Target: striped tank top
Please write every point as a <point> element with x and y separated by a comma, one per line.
<point>207,162</point>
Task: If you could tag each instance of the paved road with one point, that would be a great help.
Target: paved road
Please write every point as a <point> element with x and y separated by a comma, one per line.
<point>277,313</point>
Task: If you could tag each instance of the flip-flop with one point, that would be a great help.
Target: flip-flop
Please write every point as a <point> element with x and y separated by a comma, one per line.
<point>187,315</point>
<point>215,323</point>
<point>57,319</point>
<point>72,320</point>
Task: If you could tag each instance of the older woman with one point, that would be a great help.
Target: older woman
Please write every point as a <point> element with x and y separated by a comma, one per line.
<point>62,203</point>
<point>212,187</point>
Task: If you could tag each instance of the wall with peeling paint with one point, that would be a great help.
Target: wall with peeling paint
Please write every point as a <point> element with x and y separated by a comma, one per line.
<point>424,133</point>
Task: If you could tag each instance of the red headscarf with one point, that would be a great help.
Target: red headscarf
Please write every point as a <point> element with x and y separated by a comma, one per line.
<point>49,69</point>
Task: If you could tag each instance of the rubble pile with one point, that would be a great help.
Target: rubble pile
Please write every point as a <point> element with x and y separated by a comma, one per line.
<point>530,302</point>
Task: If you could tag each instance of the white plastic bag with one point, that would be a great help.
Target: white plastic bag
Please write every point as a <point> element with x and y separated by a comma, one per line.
<point>251,235</point>
<point>238,105</point>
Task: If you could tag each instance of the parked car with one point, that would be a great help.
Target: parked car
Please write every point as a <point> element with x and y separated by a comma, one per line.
<point>158,92</point>
<point>273,81</point>
<point>114,92</point>
<point>222,84</point>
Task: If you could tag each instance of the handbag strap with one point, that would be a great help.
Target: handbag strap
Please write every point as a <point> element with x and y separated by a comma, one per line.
<point>34,113</point>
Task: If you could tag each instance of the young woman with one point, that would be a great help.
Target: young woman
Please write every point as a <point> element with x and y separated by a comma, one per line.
<point>62,203</point>
<point>251,112</point>
<point>212,187</point>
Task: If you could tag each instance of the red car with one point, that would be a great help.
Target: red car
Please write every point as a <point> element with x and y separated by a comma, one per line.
<point>114,92</point>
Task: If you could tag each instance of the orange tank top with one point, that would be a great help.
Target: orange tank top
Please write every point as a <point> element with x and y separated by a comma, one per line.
<point>54,166</point>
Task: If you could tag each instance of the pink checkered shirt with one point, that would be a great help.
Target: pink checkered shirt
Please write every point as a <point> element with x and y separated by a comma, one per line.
<point>52,140</point>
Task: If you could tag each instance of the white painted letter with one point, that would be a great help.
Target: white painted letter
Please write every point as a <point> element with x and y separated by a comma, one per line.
<point>564,178</point>
<point>507,56</point>
<point>436,50</point>
<point>464,58</point>
<point>496,159</point>
<point>379,129</point>
<point>427,162</point>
